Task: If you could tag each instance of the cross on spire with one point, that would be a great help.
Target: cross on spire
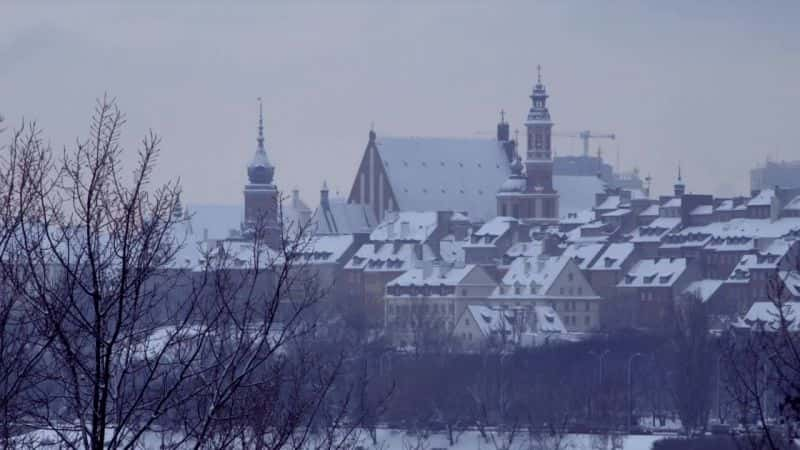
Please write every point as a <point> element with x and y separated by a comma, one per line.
<point>502,116</point>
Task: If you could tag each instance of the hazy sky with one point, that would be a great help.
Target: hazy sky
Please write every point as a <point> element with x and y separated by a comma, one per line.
<point>712,86</point>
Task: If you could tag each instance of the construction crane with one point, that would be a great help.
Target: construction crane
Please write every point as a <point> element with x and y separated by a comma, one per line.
<point>585,136</point>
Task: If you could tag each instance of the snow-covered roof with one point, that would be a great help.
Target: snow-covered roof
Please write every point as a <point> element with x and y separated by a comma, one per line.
<point>768,315</point>
<point>703,289</point>
<point>530,276</point>
<point>433,174</point>
<point>519,249</point>
<point>577,217</point>
<point>702,210</point>
<point>452,250</point>
<point>491,320</point>
<point>614,256</point>
<point>435,274</point>
<point>387,257</point>
<point>658,272</point>
<point>327,248</point>
<point>757,228</point>
<point>725,205</point>
<point>617,212</point>
<point>656,230</point>
<point>611,202</point>
<point>674,202</point>
<point>793,205</point>
<point>763,198</point>
<point>650,211</point>
<point>583,254</point>
<point>547,320</point>
<point>685,240</point>
<point>464,174</point>
<point>731,244</point>
<point>340,217</point>
<point>489,232</point>
<point>406,226</point>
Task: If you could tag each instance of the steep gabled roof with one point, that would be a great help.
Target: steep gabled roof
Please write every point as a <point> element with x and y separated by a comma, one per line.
<point>430,174</point>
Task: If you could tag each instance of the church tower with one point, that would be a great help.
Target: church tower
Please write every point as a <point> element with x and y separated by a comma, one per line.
<point>537,203</point>
<point>260,193</point>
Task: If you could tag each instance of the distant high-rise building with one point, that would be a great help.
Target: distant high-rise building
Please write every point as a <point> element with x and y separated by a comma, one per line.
<point>785,174</point>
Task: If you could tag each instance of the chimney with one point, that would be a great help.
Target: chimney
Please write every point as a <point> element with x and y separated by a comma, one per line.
<point>427,269</point>
<point>205,234</point>
<point>390,231</point>
<point>324,201</point>
<point>418,251</point>
<point>775,205</point>
<point>405,229</point>
<point>295,198</point>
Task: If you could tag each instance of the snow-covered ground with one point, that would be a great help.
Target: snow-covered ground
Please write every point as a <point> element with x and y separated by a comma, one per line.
<point>390,439</point>
<point>472,440</point>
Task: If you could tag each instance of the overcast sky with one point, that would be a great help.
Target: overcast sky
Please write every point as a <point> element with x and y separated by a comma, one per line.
<point>712,86</point>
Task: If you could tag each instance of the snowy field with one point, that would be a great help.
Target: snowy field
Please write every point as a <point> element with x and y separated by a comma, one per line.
<point>471,440</point>
<point>389,439</point>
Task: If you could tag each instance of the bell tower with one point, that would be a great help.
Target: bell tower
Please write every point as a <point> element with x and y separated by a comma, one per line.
<point>542,204</point>
<point>260,193</point>
<point>532,197</point>
<point>539,157</point>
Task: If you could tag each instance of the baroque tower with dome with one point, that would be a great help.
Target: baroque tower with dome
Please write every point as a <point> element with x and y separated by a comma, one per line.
<point>531,196</point>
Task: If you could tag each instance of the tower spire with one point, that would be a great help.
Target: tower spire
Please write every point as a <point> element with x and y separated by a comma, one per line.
<point>539,73</point>
<point>260,125</point>
<point>260,171</point>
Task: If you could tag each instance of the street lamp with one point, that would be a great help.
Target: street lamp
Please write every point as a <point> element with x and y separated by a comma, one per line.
<point>630,388</point>
<point>719,382</point>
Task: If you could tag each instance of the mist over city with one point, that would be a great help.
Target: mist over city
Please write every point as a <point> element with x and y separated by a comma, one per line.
<point>399,225</point>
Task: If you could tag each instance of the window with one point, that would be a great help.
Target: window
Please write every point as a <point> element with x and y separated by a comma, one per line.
<point>571,277</point>
<point>586,306</point>
<point>587,320</point>
<point>580,290</point>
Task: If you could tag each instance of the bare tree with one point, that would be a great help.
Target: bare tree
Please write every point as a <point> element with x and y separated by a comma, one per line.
<point>763,368</point>
<point>691,359</point>
<point>22,165</point>
<point>134,338</point>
